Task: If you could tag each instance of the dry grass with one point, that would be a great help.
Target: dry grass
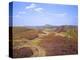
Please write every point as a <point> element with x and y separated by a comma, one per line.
<point>28,41</point>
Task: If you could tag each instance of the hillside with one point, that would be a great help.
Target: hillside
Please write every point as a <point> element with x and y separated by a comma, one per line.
<point>45,40</point>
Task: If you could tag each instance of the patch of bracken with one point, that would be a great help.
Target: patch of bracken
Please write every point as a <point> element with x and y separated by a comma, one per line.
<point>22,52</point>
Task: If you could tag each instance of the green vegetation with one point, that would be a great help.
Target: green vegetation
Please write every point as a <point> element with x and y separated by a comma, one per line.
<point>72,33</point>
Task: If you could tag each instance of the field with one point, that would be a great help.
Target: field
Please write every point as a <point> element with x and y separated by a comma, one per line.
<point>44,41</point>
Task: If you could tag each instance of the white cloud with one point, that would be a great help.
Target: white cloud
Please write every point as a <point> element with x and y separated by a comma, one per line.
<point>60,14</point>
<point>38,9</point>
<point>21,12</point>
<point>31,6</point>
<point>17,16</point>
<point>35,8</point>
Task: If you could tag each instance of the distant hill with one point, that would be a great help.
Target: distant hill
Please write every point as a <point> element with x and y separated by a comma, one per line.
<point>51,26</point>
<point>48,27</point>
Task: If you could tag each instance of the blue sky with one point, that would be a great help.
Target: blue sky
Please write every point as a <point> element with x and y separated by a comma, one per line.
<point>38,14</point>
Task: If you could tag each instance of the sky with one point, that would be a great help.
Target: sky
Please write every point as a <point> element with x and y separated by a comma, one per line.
<point>39,14</point>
